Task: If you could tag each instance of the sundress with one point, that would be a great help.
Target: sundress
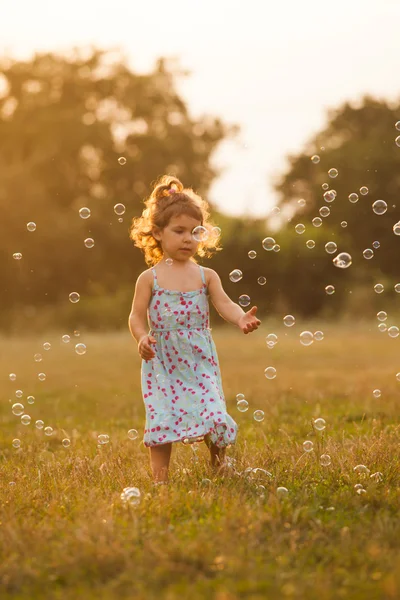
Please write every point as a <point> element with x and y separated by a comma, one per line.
<point>181,385</point>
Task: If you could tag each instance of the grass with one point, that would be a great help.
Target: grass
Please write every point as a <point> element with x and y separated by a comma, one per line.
<point>65,532</point>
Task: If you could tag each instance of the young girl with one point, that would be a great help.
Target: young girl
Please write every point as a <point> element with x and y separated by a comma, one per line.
<point>181,380</point>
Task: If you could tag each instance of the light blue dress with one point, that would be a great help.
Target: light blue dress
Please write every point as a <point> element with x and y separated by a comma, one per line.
<point>181,385</point>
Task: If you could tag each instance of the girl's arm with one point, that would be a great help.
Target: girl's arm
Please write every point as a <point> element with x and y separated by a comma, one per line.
<point>138,325</point>
<point>228,310</point>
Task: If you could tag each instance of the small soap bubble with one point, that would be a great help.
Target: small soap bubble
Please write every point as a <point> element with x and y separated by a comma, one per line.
<point>276,248</point>
<point>342,260</point>
<point>103,438</point>
<point>329,196</point>
<point>119,209</point>
<point>358,486</point>
<point>343,224</point>
<point>17,409</point>
<point>242,405</point>
<point>48,430</point>
<point>216,232</point>
<point>66,442</point>
<point>330,289</point>
<point>397,141</point>
<point>37,357</point>
<point>31,226</point>
<point>382,327</point>
<point>301,202</point>
<point>306,338</point>
<point>398,376</point>
<point>379,288</point>
<point>393,331</point>
<point>47,346</point>
<point>74,297</point>
<point>310,244</point>
<point>39,424</point>
<point>122,160</point>
<point>325,186</point>
<point>275,210</point>
<point>235,275</point>
<point>382,315</point>
<point>239,397</point>
<point>376,245</point>
<point>289,320</point>
<point>271,340</point>
<point>364,190</point>
<point>317,221</point>
<point>315,159</point>
<point>19,393</point>
<point>396,228</point>
<point>80,349</point>
<point>17,256</point>
<point>397,288</point>
<point>200,233</point>
<point>319,336</point>
<point>324,211</point>
<point>377,477</point>
<point>397,125</point>
<point>379,207</point>
<point>361,470</point>
<point>89,242</point>
<point>331,247</point>
<point>319,424</point>
<point>325,460</point>
<point>300,228</point>
<point>308,446</point>
<point>270,372</point>
<point>268,243</point>
<point>282,492</point>
<point>31,399</point>
<point>131,496</point>
<point>368,253</point>
<point>133,434</point>
<point>25,419</point>
<point>252,254</point>
<point>377,393</point>
<point>84,212</point>
<point>169,262</point>
<point>353,197</point>
<point>333,173</point>
<point>258,415</point>
<point>244,300</point>
<point>12,377</point>
<point>261,281</point>
<point>16,443</point>
<point>41,376</point>
<point>66,339</point>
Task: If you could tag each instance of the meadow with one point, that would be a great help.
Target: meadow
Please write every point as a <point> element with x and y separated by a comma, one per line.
<point>65,532</point>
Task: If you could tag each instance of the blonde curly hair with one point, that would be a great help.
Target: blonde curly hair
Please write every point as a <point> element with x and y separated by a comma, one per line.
<point>170,199</point>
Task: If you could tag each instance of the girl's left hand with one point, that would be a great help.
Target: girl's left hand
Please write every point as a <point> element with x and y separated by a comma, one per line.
<point>249,322</point>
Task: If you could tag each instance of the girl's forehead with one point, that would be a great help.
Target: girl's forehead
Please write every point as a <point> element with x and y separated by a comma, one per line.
<point>184,221</point>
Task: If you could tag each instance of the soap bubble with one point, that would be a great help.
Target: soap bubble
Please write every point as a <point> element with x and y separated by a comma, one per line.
<point>333,173</point>
<point>308,446</point>
<point>397,125</point>
<point>306,338</point>
<point>382,327</point>
<point>364,190</point>
<point>379,288</point>
<point>216,232</point>
<point>242,405</point>
<point>301,202</point>
<point>17,409</point>
<point>325,460</point>
<point>397,288</point>
<point>169,262</point>
<point>276,248</point>
<point>131,496</point>
<point>80,349</point>
<point>12,377</point>
<point>252,254</point>
<point>289,320</point>
<point>261,280</point>
<point>19,393</point>
<point>268,243</point>
<point>342,260</point>
<point>47,346</point>
<point>271,340</point>
<point>41,376</point>
<point>25,419</point>
<point>319,336</point>
<point>397,141</point>
<point>393,331</point>
<point>319,424</point>
<point>325,186</point>
<point>235,275</point>
<point>396,228</point>
<point>103,438</point>
<point>379,207</point>
<point>310,244</point>
<point>377,393</point>
<point>376,245</point>
<point>317,221</point>
<point>133,434</point>
<point>89,242</point>
<point>329,195</point>
<point>119,209</point>
<point>122,160</point>
<point>300,228</point>
<point>244,300</point>
<point>324,211</point>
<point>382,315</point>
<point>353,197</point>
<point>31,226</point>
<point>239,397</point>
<point>282,492</point>
<point>48,430</point>
<point>66,339</point>
<point>39,424</point>
<point>74,297</point>
<point>200,233</point>
<point>368,253</point>
<point>17,256</point>
<point>270,372</point>
<point>258,415</point>
<point>361,470</point>
<point>37,357</point>
<point>31,399</point>
<point>377,477</point>
<point>330,289</point>
<point>16,443</point>
<point>398,376</point>
<point>84,212</point>
<point>343,224</point>
<point>315,159</point>
<point>66,442</point>
<point>331,247</point>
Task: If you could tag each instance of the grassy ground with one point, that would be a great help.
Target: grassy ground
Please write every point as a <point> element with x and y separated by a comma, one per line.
<point>65,533</point>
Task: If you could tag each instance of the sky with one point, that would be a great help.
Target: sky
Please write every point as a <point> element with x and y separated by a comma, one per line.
<point>274,68</point>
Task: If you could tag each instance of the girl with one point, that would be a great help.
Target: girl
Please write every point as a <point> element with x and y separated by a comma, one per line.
<point>181,380</point>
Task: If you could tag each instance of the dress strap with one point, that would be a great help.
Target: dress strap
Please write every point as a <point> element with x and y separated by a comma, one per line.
<point>155,278</point>
<point>202,275</point>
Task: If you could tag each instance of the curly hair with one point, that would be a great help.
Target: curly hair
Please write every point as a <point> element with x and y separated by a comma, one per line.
<point>170,199</point>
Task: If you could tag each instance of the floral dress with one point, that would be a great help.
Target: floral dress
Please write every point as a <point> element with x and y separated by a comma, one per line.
<point>181,385</point>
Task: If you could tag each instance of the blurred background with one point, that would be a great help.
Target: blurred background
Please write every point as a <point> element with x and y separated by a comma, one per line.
<point>233,99</point>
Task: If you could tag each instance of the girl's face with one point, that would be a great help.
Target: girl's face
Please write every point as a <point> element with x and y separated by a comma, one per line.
<point>176,238</point>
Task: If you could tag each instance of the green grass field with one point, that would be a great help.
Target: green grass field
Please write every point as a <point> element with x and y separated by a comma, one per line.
<point>65,533</point>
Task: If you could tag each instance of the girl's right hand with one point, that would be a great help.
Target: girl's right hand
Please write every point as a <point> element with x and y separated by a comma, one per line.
<point>144,347</point>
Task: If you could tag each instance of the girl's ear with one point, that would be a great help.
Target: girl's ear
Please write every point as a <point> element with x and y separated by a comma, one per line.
<point>155,232</point>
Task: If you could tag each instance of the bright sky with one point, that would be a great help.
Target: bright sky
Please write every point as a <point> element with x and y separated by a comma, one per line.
<point>272,67</point>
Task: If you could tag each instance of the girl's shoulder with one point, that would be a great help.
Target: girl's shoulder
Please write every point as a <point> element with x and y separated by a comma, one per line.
<point>208,274</point>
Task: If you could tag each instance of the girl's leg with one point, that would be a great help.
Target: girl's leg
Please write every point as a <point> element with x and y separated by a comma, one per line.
<point>217,455</point>
<point>159,457</point>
